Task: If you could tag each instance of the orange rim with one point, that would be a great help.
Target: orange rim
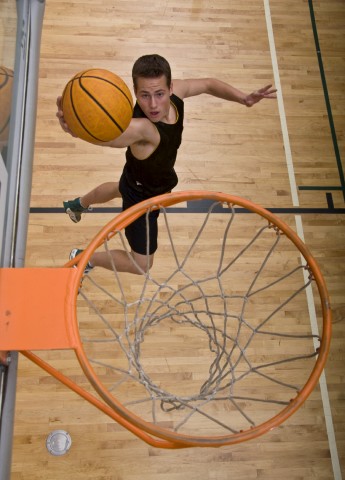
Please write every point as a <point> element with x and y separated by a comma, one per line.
<point>139,425</point>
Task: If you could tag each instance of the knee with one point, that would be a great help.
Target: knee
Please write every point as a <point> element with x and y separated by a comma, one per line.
<point>144,263</point>
<point>116,190</point>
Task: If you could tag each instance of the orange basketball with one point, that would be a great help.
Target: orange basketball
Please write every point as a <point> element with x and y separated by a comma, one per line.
<point>6,83</point>
<point>97,105</point>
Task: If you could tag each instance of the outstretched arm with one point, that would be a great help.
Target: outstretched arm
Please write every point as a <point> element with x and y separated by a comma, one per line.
<point>217,88</point>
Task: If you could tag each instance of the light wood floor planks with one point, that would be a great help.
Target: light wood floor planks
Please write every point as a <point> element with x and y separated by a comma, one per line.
<point>226,148</point>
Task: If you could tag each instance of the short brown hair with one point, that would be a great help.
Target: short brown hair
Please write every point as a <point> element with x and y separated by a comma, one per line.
<point>151,66</point>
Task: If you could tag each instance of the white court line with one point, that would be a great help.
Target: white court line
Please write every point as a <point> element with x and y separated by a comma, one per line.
<point>300,232</point>
<point>285,133</point>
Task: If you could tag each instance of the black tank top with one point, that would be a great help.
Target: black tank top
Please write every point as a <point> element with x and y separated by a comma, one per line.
<point>156,174</point>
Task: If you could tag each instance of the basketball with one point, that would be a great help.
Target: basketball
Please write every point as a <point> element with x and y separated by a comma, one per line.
<point>6,83</point>
<point>97,105</point>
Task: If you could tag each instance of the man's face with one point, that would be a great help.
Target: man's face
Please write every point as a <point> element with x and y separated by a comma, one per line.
<point>153,96</point>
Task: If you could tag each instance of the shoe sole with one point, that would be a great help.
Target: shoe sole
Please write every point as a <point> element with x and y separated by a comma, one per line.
<point>73,216</point>
<point>74,254</point>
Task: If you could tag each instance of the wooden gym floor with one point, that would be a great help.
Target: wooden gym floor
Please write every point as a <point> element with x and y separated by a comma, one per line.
<point>226,147</point>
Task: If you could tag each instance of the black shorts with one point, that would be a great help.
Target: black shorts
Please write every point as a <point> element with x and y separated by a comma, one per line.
<point>143,228</point>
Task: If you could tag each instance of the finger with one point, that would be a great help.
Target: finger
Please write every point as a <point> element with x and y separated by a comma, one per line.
<point>267,88</point>
<point>59,103</point>
<point>62,122</point>
<point>271,94</point>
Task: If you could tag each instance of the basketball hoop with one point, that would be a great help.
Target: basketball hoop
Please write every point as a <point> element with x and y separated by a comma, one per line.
<point>210,347</point>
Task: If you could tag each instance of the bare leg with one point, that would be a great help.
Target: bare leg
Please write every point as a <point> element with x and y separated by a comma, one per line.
<point>122,261</point>
<point>101,194</point>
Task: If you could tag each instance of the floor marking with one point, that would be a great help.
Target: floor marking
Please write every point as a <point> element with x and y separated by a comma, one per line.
<point>286,141</point>
<point>197,206</point>
<point>300,232</point>
<point>327,100</point>
<point>323,383</point>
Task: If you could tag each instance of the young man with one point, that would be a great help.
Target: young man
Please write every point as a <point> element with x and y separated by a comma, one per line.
<point>152,140</point>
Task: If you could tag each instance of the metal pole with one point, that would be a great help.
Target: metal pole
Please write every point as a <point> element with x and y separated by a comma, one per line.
<point>19,166</point>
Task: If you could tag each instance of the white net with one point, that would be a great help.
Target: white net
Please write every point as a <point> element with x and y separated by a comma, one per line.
<point>215,338</point>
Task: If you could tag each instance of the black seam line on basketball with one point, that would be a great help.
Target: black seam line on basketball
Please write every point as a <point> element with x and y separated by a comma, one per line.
<point>100,105</point>
<point>108,81</point>
<point>6,71</point>
<point>7,74</point>
<point>204,209</point>
<point>5,82</point>
<point>96,101</point>
<point>5,126</point>
<point>79,119</point>
<point>75,112</point>
<point>111,83</point>
<point>328,103</point>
